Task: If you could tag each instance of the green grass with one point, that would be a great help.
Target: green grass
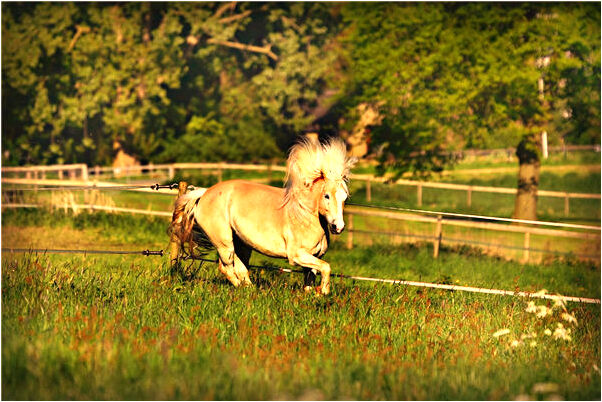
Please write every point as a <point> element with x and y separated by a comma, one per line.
<point>126,327</point>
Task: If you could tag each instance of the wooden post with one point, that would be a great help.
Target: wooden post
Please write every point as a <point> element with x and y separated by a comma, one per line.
<point>219,175</point>
<point>350,231</point>
<point>171,172</point>
<point>526,245</point>
<point>96,172</point>
<point>174,242</point>
<point>469,197</point>
<point>566,205</point>
<point>60,175</point>
<point>368,190</point>
<point>419,194</point>
<point>84,172</point>
<point>437,242</point>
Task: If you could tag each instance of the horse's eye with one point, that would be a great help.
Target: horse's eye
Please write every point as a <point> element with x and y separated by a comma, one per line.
<point>326,196</point>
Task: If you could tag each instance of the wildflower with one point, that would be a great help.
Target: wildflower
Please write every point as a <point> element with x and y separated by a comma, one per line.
<point>562,333</point>
<point>514,343</point>
<point>540,293</point>
<point>544,388</point>
<point>543,311</point>
<point>531,307</point>
<point>559,303</point>
<point>569,318</point>
<point>533,344</point>
<point>501,332</point>
<point>528,336</point>
<point>547,332</point>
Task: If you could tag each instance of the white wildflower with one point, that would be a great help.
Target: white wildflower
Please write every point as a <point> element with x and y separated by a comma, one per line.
<point>559,303</point>
<point>569,318</point>
<point>514,343</point>
<point>543,311</point>
<point>547,332</point>
<point>501,332</point>
<point>531,307</point>
<point>544,388</point>
<point>540,293</point>
<point>562,333</point>
<point>533,344</point>
<point>528,336</point>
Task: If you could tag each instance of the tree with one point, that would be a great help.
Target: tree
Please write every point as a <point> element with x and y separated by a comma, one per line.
<point>145,75</point>
<point>446,76</point>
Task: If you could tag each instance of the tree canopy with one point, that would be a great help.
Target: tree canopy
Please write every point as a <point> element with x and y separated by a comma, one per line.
<point>239,81</point>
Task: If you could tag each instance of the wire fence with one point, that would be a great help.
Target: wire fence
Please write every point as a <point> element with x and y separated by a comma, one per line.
<point>398,282</point>
<point>437,238</point>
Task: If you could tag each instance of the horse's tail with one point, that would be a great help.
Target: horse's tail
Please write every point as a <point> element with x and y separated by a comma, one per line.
<point>183,225</point>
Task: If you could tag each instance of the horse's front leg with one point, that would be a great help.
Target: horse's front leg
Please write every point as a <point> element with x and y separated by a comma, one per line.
<point>306,260</point>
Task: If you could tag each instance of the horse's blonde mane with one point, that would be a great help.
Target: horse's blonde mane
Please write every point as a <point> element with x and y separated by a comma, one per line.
<point>309,161</point>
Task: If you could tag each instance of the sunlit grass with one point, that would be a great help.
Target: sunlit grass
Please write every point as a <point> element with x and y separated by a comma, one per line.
<point>124,327</point>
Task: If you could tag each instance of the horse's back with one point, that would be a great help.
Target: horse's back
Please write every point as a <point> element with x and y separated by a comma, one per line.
<point>253,210</point>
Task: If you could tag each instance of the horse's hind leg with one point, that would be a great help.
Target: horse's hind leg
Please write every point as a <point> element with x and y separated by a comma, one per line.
<point>242,255</point>
<point>228,271</point>
<point>226,262</point>
<point>309,279</point>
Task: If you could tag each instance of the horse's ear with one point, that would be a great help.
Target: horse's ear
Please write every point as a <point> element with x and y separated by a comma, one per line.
<point>317,179</point>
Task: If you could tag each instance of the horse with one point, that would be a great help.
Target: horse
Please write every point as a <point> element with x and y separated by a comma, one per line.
<point>236,217</point>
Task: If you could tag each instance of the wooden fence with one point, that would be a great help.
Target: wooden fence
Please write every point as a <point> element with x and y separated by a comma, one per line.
<point>440,222</point>
<point>35,171</point>
<point>437,237</point>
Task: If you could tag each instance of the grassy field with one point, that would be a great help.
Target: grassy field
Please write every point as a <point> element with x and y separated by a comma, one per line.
<point>126,327</point>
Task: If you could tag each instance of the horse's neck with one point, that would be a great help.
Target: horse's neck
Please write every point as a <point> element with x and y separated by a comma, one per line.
<point>302,207</point>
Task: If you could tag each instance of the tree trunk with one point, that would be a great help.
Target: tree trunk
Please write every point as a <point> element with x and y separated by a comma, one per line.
<point>525,205</point>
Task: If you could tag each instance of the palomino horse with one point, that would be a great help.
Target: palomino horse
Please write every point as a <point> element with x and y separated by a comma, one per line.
<point>238,216</point>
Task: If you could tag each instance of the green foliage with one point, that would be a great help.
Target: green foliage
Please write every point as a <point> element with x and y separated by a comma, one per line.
<point>86,76</point>
<point>162,79</point>
<point>448,76</point>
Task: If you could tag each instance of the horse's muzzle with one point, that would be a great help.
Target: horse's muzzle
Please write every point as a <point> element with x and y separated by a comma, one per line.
<point>335,230</point>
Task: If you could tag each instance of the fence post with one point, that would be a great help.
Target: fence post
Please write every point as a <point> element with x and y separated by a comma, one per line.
<point>96,172</point>
<point>469,197</point>
<point>526,245</point>
<point>219,174</point>
<point>368,190</point>
<point>437,242</point>
<point>419,194</point>
<point>566,205</point>
<point>171,172</point>
<point>350,232</point>
<point>174,243</point>
<point>84,172</point>
<point>60,174</point>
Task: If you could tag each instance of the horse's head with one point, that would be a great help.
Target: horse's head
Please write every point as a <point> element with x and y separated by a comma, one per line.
<point>331,202</point>
<point>320,171</point>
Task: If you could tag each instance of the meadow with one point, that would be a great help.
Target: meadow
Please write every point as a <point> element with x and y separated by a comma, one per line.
<point>129,327</point>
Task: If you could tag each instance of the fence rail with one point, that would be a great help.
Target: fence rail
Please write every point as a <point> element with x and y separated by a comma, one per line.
<point>440,222</point>
<point>219,167</point>
<point>437,237</point>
